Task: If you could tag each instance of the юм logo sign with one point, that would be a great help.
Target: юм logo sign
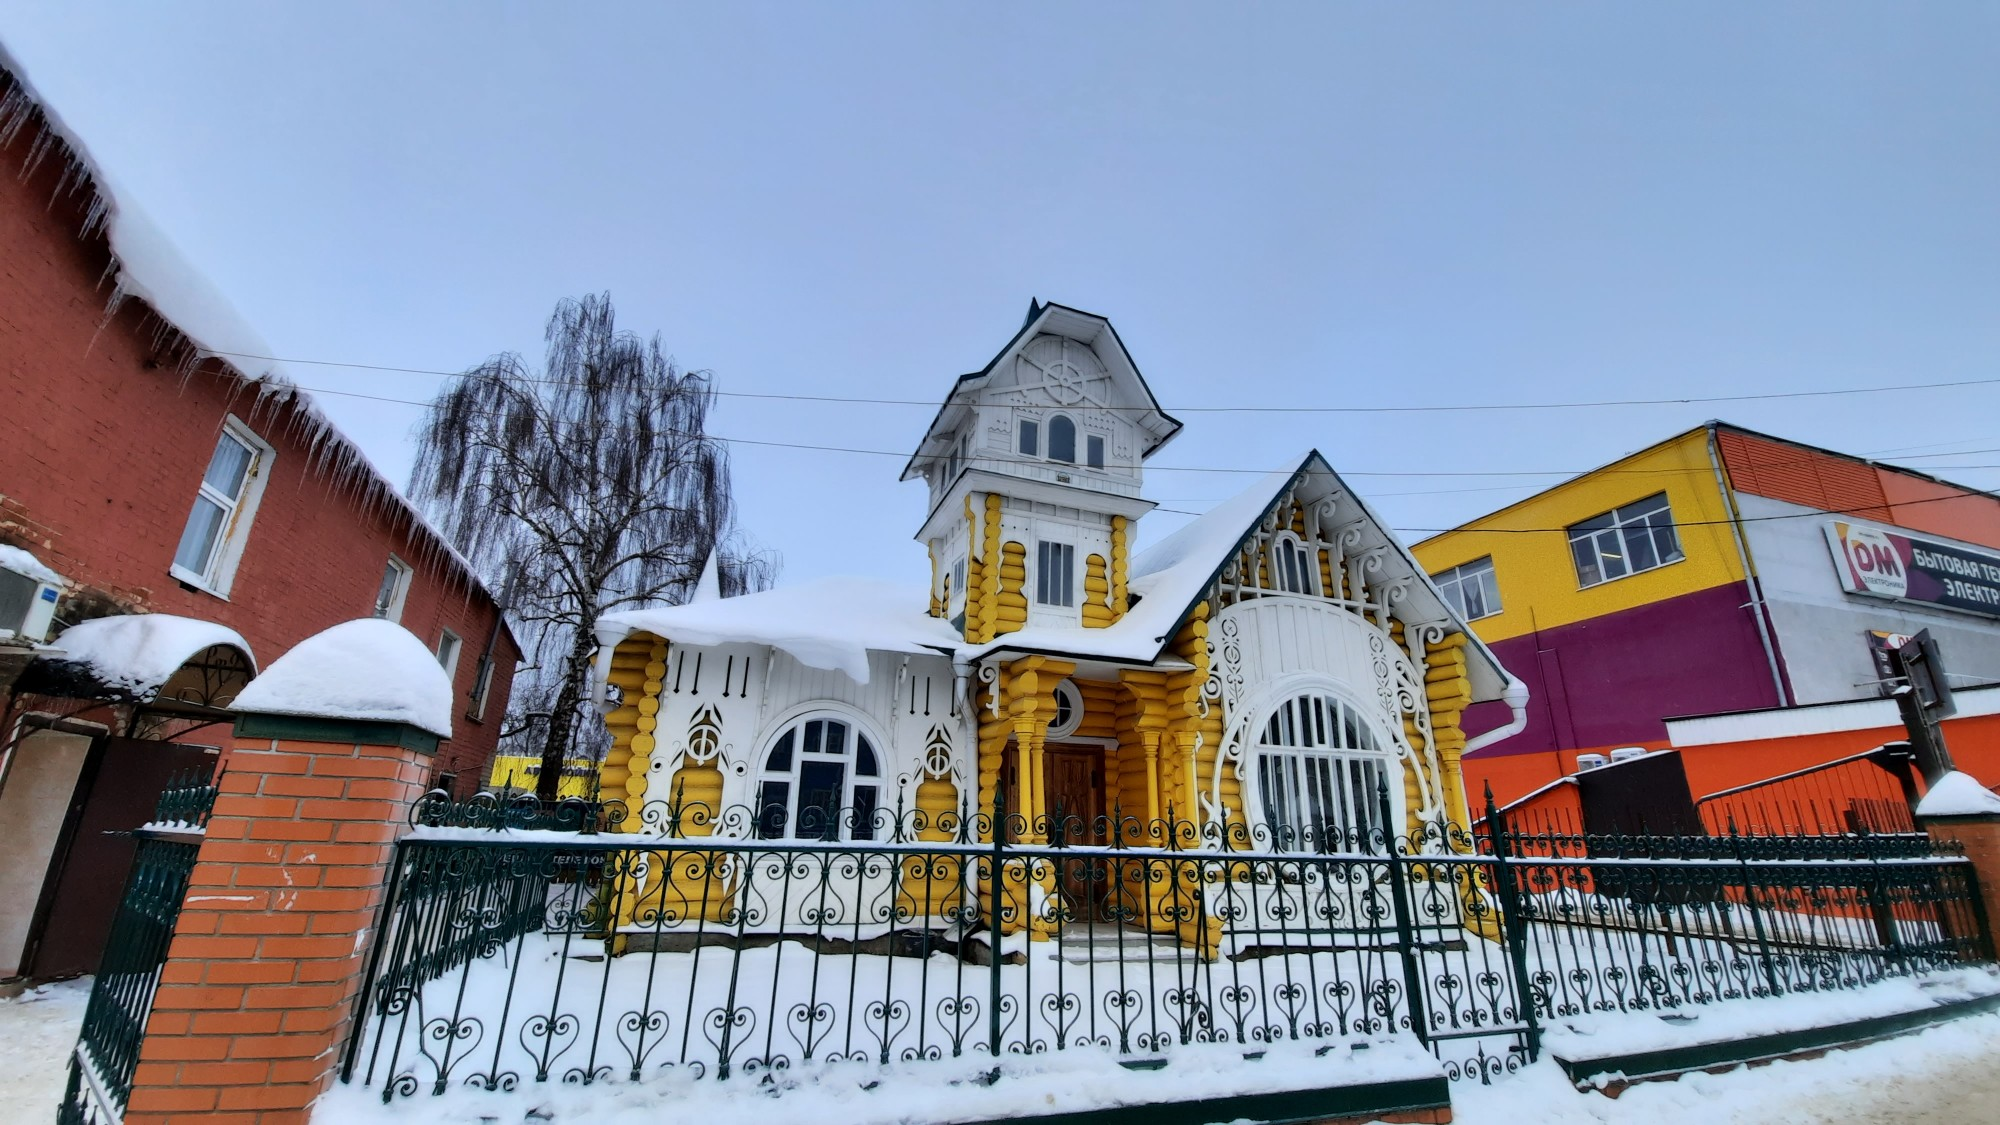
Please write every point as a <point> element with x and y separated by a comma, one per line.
<point>1873,562</point>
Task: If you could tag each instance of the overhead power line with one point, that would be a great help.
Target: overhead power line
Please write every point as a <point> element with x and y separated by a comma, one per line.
<point>1425,408</point>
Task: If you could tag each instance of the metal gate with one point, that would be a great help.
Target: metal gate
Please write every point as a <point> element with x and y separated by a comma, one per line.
<point>121,999</point>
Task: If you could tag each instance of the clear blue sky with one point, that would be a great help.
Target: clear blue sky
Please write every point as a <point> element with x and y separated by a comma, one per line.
<point>1332,205</point>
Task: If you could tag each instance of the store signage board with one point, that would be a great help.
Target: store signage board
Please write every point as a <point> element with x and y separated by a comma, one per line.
<point>1908,568</point>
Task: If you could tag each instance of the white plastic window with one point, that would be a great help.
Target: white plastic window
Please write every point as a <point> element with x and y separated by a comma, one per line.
<point>212,541</point>
<point>1639,536</point>
<point>393,589</point>
<point>1472,589</point>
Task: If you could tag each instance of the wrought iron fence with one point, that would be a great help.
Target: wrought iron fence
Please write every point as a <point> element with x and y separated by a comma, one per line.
<point>724,953</point>
<point>121,996</point>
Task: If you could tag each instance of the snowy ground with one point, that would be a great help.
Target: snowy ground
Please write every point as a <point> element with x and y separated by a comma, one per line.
<point>1944,1076</point>
<point>37,1032</point>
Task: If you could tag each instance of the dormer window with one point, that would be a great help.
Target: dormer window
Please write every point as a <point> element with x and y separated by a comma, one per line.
<point>1062,439</point>
<point>1292,568</point>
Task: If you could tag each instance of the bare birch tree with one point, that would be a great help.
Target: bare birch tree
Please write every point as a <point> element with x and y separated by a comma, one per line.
<point>589,486</point>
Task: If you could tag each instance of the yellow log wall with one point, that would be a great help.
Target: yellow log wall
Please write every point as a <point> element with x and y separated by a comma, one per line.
<point>1097,611</point>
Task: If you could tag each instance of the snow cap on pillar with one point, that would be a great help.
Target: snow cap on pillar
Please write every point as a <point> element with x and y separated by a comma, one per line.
<point>368,671</point>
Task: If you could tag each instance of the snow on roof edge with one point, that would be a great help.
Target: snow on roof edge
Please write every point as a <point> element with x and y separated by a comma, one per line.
<point>150,268</point>
<point>138,652</point>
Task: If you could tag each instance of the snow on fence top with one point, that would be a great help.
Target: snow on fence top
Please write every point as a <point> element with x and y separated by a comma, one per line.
<point>371,669</point>
<point>197,324</point>
<point>1958,794</point>
<point>138,652</point>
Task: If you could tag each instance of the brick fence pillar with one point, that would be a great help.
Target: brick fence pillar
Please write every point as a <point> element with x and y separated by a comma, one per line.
<point>258,989</point>
<point>1979,836</point>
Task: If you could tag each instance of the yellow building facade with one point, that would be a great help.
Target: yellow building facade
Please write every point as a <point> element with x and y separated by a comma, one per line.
<point>1277,675</point>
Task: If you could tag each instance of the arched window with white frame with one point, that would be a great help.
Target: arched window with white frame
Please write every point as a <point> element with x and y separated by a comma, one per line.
<point>1062,439</point>
<point>1320,767</point>
<point>1293,569</point>
<point>820,780</point>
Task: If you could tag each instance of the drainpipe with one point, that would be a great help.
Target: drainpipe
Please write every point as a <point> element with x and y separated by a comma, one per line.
<point>1749,570</point>
<point>1516,696</point>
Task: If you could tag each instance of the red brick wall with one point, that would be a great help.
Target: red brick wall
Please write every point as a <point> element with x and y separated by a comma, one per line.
<point>257,993</point>
<point>103,442</point>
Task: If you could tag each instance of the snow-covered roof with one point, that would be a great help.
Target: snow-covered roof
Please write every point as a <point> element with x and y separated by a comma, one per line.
<point>1959,794</point>
<point>1172,576</point>
<point>148,267</point>
<point>371,670</point>
<point>136,653</point>
<point>831,623</point>
<point>22,562</point>
<point>835,623</point>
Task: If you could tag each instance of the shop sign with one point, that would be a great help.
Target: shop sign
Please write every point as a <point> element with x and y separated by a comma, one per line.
<point>1907,568</point>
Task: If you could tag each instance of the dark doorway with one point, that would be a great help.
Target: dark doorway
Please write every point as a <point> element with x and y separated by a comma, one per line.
<point>118,791</point>
<point>1073,787</point>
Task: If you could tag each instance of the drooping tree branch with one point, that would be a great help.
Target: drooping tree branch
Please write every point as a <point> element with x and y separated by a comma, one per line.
<point>589,485</point>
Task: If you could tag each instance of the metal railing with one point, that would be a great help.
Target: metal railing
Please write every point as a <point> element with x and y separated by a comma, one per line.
<point>121,996</point>
<point>1873,792</point>
<point>731,954</point>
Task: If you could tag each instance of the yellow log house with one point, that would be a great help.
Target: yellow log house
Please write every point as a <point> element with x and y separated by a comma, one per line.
<point>1256,681</point>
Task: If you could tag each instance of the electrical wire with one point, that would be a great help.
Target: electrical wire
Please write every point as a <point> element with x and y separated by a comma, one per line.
<point>1427,408</point>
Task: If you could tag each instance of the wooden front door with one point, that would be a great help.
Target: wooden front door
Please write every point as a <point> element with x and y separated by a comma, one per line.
<point>120,786</point>
<point>1074,788</point>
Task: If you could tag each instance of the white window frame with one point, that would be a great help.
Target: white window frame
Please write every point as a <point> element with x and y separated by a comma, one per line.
<point>1452,583</point>
<point>1286,544</point>
<point>1318,757</point>
<point>1049,439</point>
<point>1067,697</point>
<point>482,688</point>
<point>227,552</point>
<point>954,604</point>
<point>450,645</point>
<point>854,822</point>
<point>1047,583</point>
<point>398,594</point>
<point>1630,530</point>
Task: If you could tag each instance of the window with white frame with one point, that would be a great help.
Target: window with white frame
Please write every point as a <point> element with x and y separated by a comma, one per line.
<point>954,606</point>
<point>1093,451</point>
<point>1639,536</point>
<point>482,686</point>
<point>1292,567</point>
<point>1030,443</point>
<point>1471,589</point>
<point>212,542</point>
<point>1055,573</point>
<point>394,588</point>
<point>1062,439</point>
<point>447,653</point>
<point>1069,710</point>
<point>820,781</point>
<point>1320,773</point>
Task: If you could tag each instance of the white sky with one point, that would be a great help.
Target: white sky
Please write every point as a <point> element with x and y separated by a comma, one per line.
<point>1313,205</point>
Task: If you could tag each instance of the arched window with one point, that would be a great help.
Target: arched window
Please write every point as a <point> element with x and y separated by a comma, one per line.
<point>1293,569</point>
<point>819,782</point>
<point>1062,439</point>
<point>1320,769</point>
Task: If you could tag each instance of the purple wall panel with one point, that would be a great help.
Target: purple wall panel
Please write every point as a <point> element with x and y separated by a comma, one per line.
<point>1613,679</point>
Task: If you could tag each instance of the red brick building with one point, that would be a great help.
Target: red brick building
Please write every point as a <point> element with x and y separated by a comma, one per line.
<point>156,478</point>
